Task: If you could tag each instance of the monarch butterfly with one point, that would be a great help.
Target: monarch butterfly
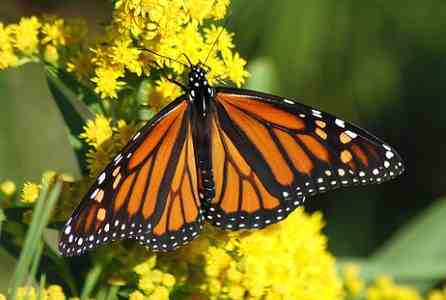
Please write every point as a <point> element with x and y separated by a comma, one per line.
<point>239,159</point>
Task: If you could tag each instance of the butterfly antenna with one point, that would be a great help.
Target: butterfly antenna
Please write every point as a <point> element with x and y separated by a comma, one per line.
<point>165,57</point>
<point>163,72</point>
<point>217,38</point>
<point>188,60</point>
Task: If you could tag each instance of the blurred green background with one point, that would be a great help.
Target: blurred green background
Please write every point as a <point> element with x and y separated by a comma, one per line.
<point>380,64</point>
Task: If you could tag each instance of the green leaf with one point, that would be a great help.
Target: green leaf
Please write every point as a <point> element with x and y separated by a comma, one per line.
<point>92,279</point>
<point>2,219</point>
<point>265,78</point>
<point>33,240</point>
<point>420,240</point>
<point>415,255</point>
<point>73,110</point>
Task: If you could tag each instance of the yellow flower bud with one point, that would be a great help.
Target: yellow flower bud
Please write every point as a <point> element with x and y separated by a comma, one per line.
<point>51,54</point>
<point>8,187</point>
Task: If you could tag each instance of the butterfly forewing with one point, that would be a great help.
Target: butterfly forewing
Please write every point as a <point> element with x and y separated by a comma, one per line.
<point>148,192</point>
<point>269,154</point>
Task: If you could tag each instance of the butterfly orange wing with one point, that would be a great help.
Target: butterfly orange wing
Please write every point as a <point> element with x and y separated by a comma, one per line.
<point>269,154</point>
<point>148,192</point>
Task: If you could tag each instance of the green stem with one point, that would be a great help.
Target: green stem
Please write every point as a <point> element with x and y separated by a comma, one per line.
<point>91,280</point>
<point>112,293</point>
<point>41,215</point>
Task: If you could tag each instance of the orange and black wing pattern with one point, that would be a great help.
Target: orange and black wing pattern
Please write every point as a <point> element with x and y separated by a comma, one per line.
<point>148,192</point>
<point>269,154</point>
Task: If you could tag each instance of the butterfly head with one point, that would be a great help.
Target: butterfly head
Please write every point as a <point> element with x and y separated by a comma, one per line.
<point>197,74</point>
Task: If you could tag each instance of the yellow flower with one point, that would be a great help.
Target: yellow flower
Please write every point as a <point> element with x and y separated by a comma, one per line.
<point>26,293</point>
<point>8,59</point>
<point>30,192</point>
<point>2,297</point>
<point>107,83</point>
<point>26,35</point>
<point>97,131</point>
<point>163,93</point>
<point>384,288</point>
<point>97,159</point>
<point>54,292</point>
<point>235,65</point>
<point>51,54</point>
<point>54,32</point>
<point>146,266</point>
<point>199,9</point>
<point>137,295</point>
<point>437,295</point>
<point>220,8</point>
<point>8,187</point>
<point>217,260</point>
<point>5,37</point>
<point>124,133</point>
<point>122,53</point>
<point>160,293</point>
<point>221,37</point>
<point>352,282</point>
<point>168,280</point>
<point>287,260</point>
<point>191,42</point>
<point>236,292</point>
<point>146,284</point>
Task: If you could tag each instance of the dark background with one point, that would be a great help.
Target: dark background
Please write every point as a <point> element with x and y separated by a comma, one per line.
<point>379,64</point>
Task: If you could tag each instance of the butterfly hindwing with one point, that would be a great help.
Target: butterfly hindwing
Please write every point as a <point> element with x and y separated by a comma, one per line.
<point>269,154</point>
<point>148,192</point>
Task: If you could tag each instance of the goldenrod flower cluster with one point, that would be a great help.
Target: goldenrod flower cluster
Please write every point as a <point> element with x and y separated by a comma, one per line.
<point>174,29</point>
<point>34,39</point>
<point>153,284</point>
<point>288,260</point>
<point>52,292</point>
<point>105,141</point>
<point>382,288</point>
<point>353,284</point>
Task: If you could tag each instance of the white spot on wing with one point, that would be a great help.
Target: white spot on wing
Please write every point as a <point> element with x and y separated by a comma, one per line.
<point>340,123</point>
<point>288,101</point>
<point>316,113</point>
<point>351,134</point>
<point>389,154</point>
<point>94,193</point>
<point>136,135</point>
<point>68,229</point>
<point>101,178</point>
